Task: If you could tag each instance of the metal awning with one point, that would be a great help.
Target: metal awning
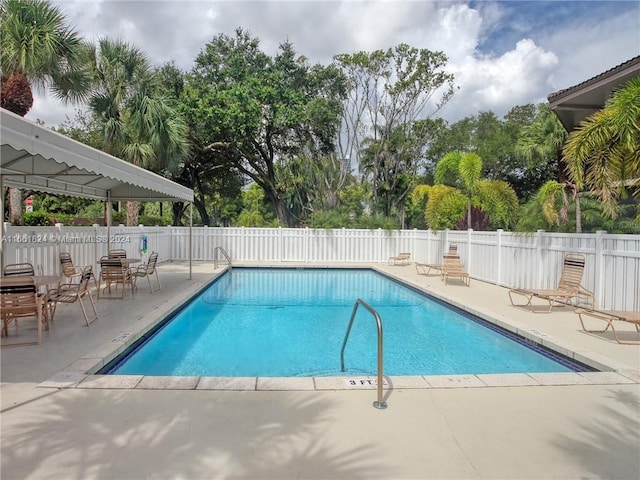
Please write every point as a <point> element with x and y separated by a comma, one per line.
<point>34,157</point>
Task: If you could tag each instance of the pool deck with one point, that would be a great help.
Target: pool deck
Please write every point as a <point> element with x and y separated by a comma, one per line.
<point>60,421</point>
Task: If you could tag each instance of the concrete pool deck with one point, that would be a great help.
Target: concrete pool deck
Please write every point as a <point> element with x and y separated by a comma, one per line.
<point>58,421</point>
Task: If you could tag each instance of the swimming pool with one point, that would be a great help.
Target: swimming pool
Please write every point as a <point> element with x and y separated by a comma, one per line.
<point>291,322</point>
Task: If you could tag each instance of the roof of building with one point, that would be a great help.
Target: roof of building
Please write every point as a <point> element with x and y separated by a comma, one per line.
<point>574,104</point>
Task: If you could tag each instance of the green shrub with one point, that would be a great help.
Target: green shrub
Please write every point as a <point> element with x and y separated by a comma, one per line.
<point>118,218</point>
<point>36,219</point>
<point>153,220</point>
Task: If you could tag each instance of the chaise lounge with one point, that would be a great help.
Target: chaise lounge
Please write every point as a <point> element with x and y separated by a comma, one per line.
<point>452,267</point>
<point>611,317</point>
<point>569,289</point>
<point>425,268</point>
<point>403,258</point>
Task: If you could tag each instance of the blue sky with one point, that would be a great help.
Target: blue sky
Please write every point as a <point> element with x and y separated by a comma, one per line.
<point>540,19</point>
<point>502,54</point>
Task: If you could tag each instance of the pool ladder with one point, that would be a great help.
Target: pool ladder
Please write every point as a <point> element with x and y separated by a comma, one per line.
<point>216,252</point>
<point>380,403</point>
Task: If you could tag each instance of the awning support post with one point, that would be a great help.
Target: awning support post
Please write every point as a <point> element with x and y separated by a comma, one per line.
<point>190,236</point>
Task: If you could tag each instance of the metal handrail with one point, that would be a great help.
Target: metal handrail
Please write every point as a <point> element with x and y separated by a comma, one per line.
<point>379,403</point>
<point>224,254</point>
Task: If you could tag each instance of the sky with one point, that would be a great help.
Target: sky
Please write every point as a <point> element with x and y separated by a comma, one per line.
<point>502,53</point>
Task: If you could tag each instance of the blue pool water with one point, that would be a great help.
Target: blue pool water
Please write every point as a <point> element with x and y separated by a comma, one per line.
<point>292,322</point>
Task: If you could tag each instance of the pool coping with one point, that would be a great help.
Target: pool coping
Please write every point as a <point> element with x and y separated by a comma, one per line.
<point>83,372</point>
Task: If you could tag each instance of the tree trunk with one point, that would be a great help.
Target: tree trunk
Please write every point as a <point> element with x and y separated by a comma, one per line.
<point>281,212</point>
<point>200,206</point>
<point>132,213</point>
<point>578,214</point>
<point>15,206</point>
<point>177,210</point>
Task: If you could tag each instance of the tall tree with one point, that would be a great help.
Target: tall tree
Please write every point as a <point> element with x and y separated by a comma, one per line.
<point>541,143</point>
<point>262,111</point>
<point>388,92</point>
<point>140,124</point>
<point>118,71</point>
<point>603,154</point>
<point>39,50</point>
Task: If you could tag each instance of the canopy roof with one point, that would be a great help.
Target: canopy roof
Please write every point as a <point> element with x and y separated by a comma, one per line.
<point>572,105</point>
<point>36,158</point>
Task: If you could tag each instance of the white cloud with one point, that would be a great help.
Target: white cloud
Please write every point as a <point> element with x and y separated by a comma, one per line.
<point>588,48</point>
<point>517,77</point>
<point>531,63</point>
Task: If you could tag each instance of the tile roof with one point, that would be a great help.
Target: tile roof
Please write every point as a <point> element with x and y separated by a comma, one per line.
<point>612,71</point>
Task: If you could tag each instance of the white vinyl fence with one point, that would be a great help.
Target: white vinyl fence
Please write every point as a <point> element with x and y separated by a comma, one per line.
<point>509,259</point>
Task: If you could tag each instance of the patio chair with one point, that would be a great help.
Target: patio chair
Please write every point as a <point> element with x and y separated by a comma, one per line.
<point>147,270</point>
<point>403,258</point>
<point>72,293</point>
<point>568,291</point>
<point>611,317</point>
<point>112,271</point>
<point>18,269</point>
<point>453,267</point>
<point>425,268</point>
<point>71,271</point>
<point>18,299</point>
<point>118,253</point>
<point>27,270</point>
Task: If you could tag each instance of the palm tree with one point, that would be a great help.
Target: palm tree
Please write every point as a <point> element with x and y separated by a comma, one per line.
<point>465,169</point>
<point>139,126</point>
<point>548,197</point>
<point>462,171</point>
<point>603,154</point>
<point>543,141</point>
<point>38,50</point>
<point>118,71</point>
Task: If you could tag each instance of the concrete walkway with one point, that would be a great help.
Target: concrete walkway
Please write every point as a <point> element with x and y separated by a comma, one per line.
<point>573,426</point>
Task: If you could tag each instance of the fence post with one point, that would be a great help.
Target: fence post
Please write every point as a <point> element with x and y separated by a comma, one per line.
<point>499,247</point>
<point>444,248</point>
<point>344,245</point>
<point>469,255</point>
<point>243,246</point>
<point>598,289</point>
<point>539,267</point>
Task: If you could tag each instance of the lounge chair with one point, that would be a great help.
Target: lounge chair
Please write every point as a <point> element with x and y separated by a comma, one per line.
<point>72,293</point>
<point>425,268</point>
<point>610,317</point>
<point>403,258</point>
<point>569,289</point>
<point>147,270</point>
<point>18,299</point>
<point>453,267</point>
